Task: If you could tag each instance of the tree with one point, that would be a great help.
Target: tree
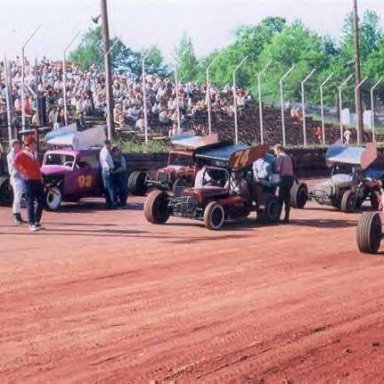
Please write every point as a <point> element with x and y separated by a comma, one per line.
<point>186,59</point>
<point>155,61</point>
<point>297,45</point>
<point>91,51</point>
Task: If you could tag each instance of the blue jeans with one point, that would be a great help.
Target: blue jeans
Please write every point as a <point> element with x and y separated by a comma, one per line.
<point>110,193</point>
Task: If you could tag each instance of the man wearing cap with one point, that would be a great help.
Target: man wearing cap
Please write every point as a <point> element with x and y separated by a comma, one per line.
<point>284,168</point>
<point>16,180</point>
<point>27,164</point>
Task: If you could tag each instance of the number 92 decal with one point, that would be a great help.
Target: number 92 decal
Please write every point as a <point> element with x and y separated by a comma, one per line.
<point>85,181</point>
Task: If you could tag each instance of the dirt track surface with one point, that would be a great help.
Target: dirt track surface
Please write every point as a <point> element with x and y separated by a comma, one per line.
<point>103,296</point>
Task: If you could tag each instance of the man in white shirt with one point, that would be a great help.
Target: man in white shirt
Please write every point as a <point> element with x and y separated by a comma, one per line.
<point>202,177</point>
<point>16,181</point>
<point>107,167</point>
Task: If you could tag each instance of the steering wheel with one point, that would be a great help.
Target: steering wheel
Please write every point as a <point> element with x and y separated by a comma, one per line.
<point>68,164</point>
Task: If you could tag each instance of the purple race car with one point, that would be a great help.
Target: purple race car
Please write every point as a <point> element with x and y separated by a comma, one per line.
<point>70,175</point>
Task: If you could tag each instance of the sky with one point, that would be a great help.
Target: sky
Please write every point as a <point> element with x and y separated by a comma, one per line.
<point>141,23</point>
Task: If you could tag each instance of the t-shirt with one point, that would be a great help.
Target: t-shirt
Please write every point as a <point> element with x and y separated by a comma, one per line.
<point>28,165</point>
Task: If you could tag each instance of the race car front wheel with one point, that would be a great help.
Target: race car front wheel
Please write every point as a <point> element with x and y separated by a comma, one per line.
<point>214,216</point>
<point>53,199</point>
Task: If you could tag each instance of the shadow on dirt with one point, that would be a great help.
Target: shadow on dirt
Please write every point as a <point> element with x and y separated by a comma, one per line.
<point>323,223</point>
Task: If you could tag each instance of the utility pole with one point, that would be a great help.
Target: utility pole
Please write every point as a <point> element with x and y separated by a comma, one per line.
<point>358,103</point>
<point>108,72</point>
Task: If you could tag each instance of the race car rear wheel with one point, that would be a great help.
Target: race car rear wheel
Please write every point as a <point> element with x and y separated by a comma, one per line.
<point>156,209</point>
<point>6,193</point>
<point>299,195</point>
<point>271,209</point>
<point>369,232</point>
<point>137,183</point>
<point>214,216</point>
<point>53,198</point>
<point>348,201</point>
<point>178,186</point>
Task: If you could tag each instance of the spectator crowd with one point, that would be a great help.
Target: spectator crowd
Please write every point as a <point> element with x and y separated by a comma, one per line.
<point>86,96</point>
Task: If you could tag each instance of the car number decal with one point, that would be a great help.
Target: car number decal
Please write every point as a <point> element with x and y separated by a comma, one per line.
<point>85,181</point>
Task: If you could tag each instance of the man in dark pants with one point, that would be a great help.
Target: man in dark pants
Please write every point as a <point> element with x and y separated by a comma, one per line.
<point>27,164</point>
<point>107,168</point>
<point>284,168</point>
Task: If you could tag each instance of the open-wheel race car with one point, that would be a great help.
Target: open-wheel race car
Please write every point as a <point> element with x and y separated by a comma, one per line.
<point>228,190</point>
<point>352,180</point>
<point>180,170</point>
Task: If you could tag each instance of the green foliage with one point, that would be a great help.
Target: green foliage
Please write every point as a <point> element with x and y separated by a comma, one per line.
<point>155,61</point>
<point>186,59</point>
<point>90,50</point>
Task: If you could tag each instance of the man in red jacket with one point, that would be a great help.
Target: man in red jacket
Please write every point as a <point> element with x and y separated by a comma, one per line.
<point>27,164</point>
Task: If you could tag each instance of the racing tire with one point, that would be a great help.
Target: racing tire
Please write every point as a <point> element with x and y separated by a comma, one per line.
<point>214,216</point>
<point>271,210</point>
<point>53,199</point>
<point>375,201</point>
<point>178,186</point>
<point>369,233</point>
<point>137,183</point>
<point>6,192</point>
<point>299,195</point>
<point>348,201</point>
<point>156,209</point>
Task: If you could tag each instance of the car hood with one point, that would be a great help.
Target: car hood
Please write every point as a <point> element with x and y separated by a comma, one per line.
<point>172,168</point>
<point>48,170</point>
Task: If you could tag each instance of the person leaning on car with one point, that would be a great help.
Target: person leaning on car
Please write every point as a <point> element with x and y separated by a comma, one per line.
<point>28,165</point>
<point>107,167</point>
<point>284,168</point>
<point>16,181</point>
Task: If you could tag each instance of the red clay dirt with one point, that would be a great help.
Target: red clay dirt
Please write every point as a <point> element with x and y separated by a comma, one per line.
<point>105,297</point>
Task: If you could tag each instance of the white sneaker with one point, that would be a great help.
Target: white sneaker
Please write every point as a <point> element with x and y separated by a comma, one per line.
<point>33,228</point>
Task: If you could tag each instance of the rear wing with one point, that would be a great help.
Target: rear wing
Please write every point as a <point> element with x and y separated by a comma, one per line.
<point>236,156</point>
<point>190,141</point>
<point>359,156</point>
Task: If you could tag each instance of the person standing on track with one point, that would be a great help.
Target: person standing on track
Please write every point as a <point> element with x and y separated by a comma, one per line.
<point>16,181</point>
<point>27,164</point>
<point>107,168</point>
<point>284,168</point>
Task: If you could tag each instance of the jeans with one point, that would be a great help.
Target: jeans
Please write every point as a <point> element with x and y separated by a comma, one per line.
<point>285,195</point>
<point>34,192</point>
<point>121,185</point>
<point>18,190</point>
<point>110,193</point>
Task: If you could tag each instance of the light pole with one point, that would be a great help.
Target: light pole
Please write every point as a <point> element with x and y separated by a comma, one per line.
<point>373,108</point>
<point>108,70</point>
<point>303,104</point>
<point>234,98</point>
<point>23,77</point>
<point>144,98</point>
<point>7,99</point>
<point>209,94</point>
<point>356,43</point>
<point>342,85</point>
<point>65,75</point>
<point>357,101</point>
<point>177,90</point>
<point>282,101</point>
<point>322,104</point>
<point>260,101</point>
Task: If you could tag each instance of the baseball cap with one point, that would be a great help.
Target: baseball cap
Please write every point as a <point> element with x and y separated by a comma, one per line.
<point>29,140</point>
